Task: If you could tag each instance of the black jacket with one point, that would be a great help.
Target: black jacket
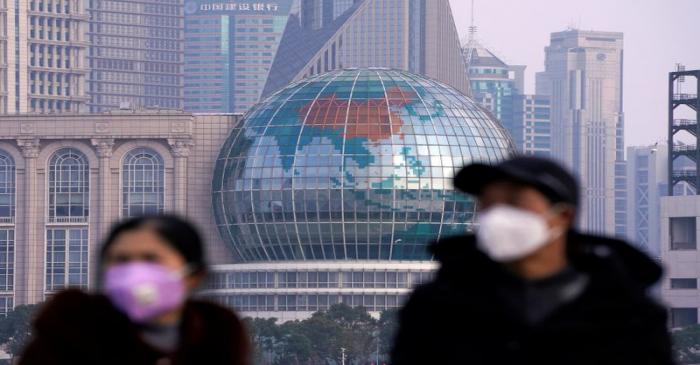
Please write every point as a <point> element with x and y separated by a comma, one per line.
<point>462,316</point>
<point>78,328</point>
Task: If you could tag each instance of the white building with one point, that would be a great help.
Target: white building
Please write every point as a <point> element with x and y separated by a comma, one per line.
<point>583,77</point>
<point>680,255</point>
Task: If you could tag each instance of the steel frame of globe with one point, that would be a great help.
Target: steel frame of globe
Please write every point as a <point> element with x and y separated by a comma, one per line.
<point>328,81</point>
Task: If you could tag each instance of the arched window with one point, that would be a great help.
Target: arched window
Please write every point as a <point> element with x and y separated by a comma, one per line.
<point>7,233</point>
<point>143,176</point>
<point>69,187</point>
<point>7,188</point>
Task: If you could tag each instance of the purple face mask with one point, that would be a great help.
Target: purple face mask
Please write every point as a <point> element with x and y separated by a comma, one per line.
<point>144,290</point>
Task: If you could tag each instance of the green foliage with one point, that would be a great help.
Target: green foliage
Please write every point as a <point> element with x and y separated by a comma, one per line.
<point>15,328</point>
<point>319,339</point>
<point>686,345</point>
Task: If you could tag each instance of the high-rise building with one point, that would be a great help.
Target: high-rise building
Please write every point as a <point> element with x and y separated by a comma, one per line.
<point>136,54</point>
<point>43,56</point>
<point>583,77</point>
<point>531,124</point>
<point>680,214</point>
<point>647,182</point>
<point>229,51</point>
<point>491,82</point>
<point>414,35</point>
<point>500,88</point>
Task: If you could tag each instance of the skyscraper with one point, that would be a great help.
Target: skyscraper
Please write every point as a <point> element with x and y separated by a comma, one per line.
<point>531,124</point>
<point>679,214</point>
<point>43,56</point>
<point>500,88</point>
<point>136,54</point>
<point>491,82</point>
<point>583,77</point>
<point>414,35</point>
<point>228,53</point>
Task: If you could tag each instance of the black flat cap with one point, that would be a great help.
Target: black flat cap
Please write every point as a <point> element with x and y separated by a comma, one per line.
<point>545,175</point>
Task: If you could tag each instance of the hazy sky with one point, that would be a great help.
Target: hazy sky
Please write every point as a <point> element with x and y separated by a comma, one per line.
<point>658,34</point>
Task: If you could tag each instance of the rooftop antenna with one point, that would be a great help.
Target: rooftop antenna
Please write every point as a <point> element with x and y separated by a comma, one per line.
<point>681,79</point>
<point>471,43</point>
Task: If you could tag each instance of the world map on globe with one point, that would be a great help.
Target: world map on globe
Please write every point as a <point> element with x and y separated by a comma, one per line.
<point>353,164</point>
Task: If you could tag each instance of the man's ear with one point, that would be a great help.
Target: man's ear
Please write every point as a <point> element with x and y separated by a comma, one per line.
<point>568,213</point>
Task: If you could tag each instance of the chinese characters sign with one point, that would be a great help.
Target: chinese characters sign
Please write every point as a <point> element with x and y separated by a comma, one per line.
<point>194,7</point>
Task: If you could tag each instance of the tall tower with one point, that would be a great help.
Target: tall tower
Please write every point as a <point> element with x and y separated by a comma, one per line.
<point>229,52</point>
<point>678,99</point>
<point>43,56</point>
<point>680,211</point>
<point>413,35</point>
<point>583,77</point>
<point>136,54</point>
<point>499,87</point>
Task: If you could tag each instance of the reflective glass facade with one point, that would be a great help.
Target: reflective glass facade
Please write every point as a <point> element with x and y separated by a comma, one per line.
<point>352,164</point>
<point>229,52</point>
<point>413,35</point>
<point>136,54</point>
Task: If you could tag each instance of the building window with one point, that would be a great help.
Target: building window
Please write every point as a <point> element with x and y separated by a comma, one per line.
<point>685,283</point>
<point>69,193</point>
<point>6,304</point>
<point>7,260</point>
<point>66,258</point>
<point>7,188</point>
<point>683,235</point>
<point>683,317</point>
<point>143,175</point>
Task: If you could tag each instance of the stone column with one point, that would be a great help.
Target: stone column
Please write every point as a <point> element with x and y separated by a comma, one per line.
<point>181,148</point>
<point>105,196</point>
<point>104,148</point>
<point>29,248</point>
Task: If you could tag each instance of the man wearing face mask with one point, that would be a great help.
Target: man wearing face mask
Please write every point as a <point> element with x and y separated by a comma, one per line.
<point>528,288</point>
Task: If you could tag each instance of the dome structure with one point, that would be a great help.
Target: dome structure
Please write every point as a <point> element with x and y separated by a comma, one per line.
<point>351,165</point>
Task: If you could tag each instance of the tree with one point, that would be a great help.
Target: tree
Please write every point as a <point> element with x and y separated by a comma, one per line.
<point>15,328</point>
<point>265,336</point>
<point>318,339</point>
<point>388,327</point>
<point>686,345</point>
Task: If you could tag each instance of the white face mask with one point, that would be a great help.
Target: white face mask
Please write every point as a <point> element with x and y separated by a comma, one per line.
<point>507,233</point>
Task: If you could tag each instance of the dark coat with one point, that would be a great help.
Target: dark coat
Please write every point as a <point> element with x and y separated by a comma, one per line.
<point>79,328</point>
<point>462,318</point>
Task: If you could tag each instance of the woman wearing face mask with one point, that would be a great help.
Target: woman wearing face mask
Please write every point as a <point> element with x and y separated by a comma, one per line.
<point>144,313</point>
<point>527,288</point>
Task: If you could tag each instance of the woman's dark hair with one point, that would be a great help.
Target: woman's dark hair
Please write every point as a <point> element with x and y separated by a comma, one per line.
<point>179,233</point>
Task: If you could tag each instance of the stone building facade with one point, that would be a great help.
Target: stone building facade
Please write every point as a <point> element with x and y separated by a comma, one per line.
<point>65,179</point>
